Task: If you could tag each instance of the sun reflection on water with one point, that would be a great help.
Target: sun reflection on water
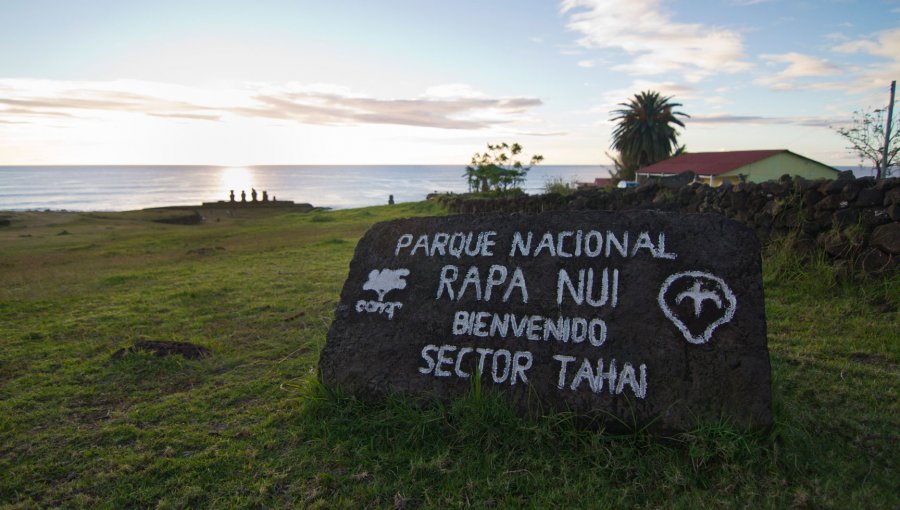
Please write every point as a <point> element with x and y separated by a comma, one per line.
<point>237,179</point>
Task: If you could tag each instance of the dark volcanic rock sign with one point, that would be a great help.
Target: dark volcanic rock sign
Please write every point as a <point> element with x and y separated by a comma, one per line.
<point>638,318</point>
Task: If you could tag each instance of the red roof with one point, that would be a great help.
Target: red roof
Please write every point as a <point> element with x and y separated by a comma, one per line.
<point>708,163</point>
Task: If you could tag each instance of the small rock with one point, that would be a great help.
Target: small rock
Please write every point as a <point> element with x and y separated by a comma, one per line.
<point>874,217</point>
<point>804,245</point>
<point>833,242</point>
<point>810,227</point>
<point>892,196</point>
<point>811,197</point>
<point>846,175</point>
<point>677,181</point>
<point>888,184</point>
<point>893,211</point>
<point>887,237</point>
<point>845,217</point>
<point>874,261</point>
<point>869,197</point>
<point>205,251</point>
<point>833,187</point>
<point>802,185</point>
<point>165,348</point>
<point>867,182</point>
<point>830,202</point>
<point>851,190</point>
<point>790,218</point>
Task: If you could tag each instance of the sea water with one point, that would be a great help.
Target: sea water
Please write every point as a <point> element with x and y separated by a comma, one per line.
<point>121,188</point>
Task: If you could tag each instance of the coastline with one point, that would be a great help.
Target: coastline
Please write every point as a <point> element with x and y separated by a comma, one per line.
<point>112,188</point>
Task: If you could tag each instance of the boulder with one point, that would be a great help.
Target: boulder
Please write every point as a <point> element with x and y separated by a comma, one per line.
<point>632,319</point>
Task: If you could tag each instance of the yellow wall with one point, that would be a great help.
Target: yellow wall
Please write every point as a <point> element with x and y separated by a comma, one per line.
<point>775,166</point>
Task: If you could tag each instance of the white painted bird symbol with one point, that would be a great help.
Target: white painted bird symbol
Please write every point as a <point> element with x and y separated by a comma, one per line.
<point>698,296</point>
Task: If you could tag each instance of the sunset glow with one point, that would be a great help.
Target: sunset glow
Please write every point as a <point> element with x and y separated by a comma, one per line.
<point>228,83</point>
<point>235,179</point>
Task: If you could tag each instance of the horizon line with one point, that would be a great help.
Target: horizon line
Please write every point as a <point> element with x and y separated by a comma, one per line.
<point>2,165</point>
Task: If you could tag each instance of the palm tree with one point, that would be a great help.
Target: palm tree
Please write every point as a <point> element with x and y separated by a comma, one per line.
<point>645,134</point>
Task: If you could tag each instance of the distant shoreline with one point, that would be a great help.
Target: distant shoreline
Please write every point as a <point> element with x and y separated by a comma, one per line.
<point>109,189</point>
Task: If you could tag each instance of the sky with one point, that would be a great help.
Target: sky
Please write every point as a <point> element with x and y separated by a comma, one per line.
<point>428,82</point>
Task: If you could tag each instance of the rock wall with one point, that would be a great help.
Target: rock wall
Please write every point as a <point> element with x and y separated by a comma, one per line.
<point>855,222</point>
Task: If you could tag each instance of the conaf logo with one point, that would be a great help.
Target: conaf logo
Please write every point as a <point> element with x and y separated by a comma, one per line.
<point>385,281</point>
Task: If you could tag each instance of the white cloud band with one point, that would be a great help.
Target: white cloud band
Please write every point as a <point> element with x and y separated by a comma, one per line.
<point>452,107</point>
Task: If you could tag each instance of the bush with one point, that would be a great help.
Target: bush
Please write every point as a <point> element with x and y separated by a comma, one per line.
<point>560,186</point>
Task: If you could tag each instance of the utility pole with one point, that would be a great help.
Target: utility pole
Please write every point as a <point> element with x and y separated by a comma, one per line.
<point>887,132</point>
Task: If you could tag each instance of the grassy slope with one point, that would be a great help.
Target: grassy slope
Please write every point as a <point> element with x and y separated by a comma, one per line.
<point>250,427</point>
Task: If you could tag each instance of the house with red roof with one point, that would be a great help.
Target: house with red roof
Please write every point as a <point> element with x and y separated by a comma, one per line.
<point>714,168</point>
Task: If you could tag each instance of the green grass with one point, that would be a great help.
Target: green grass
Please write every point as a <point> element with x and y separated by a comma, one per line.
<point>250,426</point>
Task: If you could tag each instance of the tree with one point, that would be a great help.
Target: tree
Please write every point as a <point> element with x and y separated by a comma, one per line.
<point>645,133</point>
<point>625,168</point>
<point>866,137</point>
<point>498,168</point>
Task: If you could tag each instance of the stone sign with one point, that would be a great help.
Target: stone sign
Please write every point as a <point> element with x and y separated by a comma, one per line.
<point>637,318</point>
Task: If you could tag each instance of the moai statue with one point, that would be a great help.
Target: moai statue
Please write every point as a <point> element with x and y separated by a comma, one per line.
<point>391,200</point>
<point>253,194</point>
<point>265,196</point>
<point>231,196</point>
<point>243,196</point>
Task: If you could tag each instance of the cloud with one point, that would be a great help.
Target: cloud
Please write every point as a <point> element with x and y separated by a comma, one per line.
<point>27,99</point>
<point>454,106</point>
<point>25,112</point>
<point>716,119</point>
<point>571,51</point>
<point>542,133</point>
<point>655,43</point>
<point>797,66</point>
<point>453,90</point>
<point>187,116</point>
<point>330,109</point>
<point>612,98</point>
<point>883,46</point>
<point>836,37</point>
<point>718,101</point>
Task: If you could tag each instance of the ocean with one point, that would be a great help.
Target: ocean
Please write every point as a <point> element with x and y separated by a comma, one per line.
<point>123,188</point>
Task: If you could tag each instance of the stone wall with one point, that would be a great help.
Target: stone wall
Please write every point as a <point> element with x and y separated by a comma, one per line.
<point>852,221</point>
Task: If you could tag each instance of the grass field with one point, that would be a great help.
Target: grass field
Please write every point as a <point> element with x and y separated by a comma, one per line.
<point>250,427</point>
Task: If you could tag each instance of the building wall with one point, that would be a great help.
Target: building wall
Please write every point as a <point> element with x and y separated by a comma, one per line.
<point>775,166</point>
